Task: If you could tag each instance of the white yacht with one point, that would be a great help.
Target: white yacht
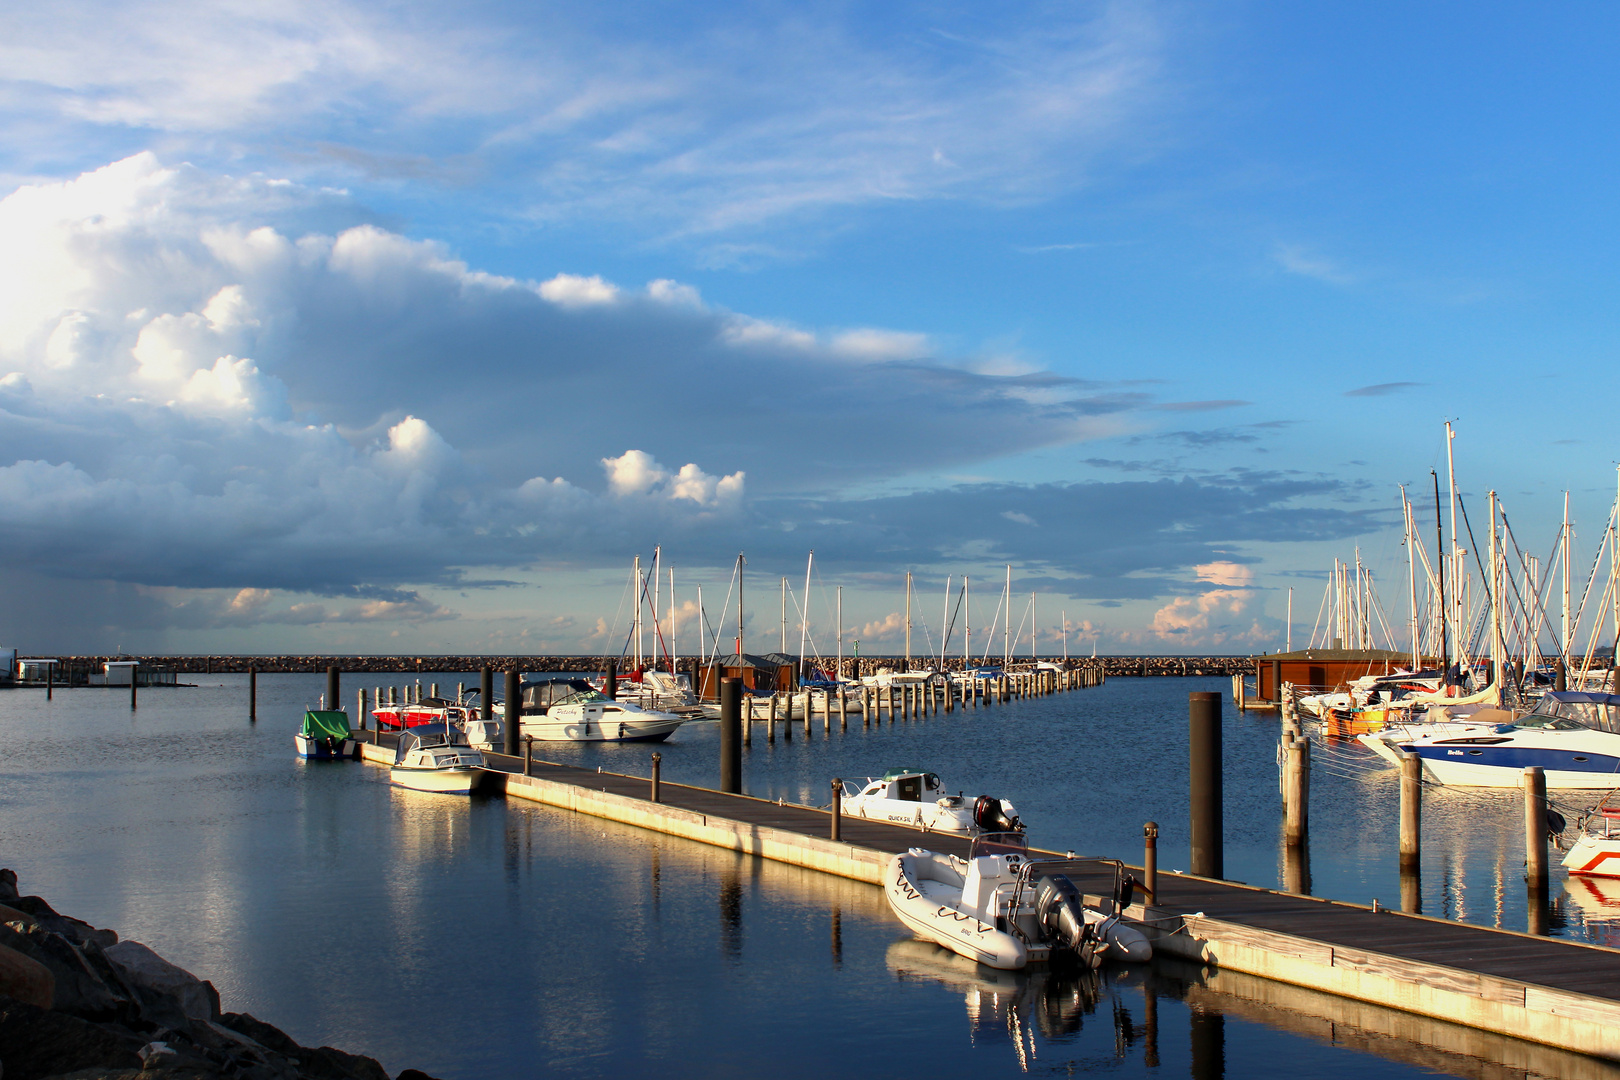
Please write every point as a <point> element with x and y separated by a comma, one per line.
<point>1573,736</point>
<point>572,710</point>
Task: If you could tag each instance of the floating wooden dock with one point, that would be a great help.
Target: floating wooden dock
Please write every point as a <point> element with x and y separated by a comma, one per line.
<point>1559,993</point>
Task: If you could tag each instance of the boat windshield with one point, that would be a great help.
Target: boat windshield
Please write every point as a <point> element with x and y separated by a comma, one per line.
<point>582,697</point>
<point>999,843</point>
<point>1562,714</point>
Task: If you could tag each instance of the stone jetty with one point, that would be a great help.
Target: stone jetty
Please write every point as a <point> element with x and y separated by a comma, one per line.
<point>77,1003</point>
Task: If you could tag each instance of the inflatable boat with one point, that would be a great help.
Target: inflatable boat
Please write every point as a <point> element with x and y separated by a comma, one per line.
<point>1005,910</point>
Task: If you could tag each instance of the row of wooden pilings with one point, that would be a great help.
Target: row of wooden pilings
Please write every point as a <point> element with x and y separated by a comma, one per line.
<point>1294,754</point>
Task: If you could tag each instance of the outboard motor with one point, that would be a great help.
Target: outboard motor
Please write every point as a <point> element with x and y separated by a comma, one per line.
<point>995,815</point>
<point>1061,914</point>
<point>1124,893</point>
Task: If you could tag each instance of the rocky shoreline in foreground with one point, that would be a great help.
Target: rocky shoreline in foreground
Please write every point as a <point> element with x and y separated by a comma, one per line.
<point>77,1003</point>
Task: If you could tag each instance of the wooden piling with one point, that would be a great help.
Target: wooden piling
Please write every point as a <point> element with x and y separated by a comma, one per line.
<point>657,766</point>
<point>253,695</point>
<point>843,710</point>
<point>513,721</point>
<point>731,735</point>
<point>433,690</point>
<point>837,809</point>
<point>610,680</point>
<point>133,683</point>
<point>770,720</point>
<point>809,705</point>
<point>1535,827</point>
<point>1204,782</point>
<point>528,755</point>
<point>1150,861</point>
<point>1297,794</point>
<point>1411,813</point>
<point>486,692</point>
<point>360,709</point>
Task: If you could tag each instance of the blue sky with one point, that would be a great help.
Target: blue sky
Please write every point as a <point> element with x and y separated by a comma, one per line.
<point>391,327</point>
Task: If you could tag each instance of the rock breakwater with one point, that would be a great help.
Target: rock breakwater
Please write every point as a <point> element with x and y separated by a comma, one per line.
<point>77,1003</point>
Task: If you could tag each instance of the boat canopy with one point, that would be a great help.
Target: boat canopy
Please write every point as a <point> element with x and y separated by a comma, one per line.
<point>1575,708</point>
<point>895,774</point>
<point>440,734</point>
<point>548,692</point>
<point>326,724</point>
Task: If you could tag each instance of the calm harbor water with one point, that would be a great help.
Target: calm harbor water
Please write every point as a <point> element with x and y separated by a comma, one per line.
<point>473,938</point>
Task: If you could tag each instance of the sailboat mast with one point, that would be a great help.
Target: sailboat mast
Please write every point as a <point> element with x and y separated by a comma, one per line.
<point>1563,636</point>
<point>840,633</point>
<point>784,614</point>
<point>1288,631</point>
<point>804,612</point>
<point>1034,624</point>
<point>1006,623</point>
<point>967,624</point>
<point>674,615</point>
<point>908,620</point>
<point>1411,576</point>
<point>945,622</point>
<point>1065,617</point>
<point>1455,558</point>
<point>740,563</point>
<point>1496,603</point>
<point>1440,576</point>
<point>636,570</point>
<point>658,581</point>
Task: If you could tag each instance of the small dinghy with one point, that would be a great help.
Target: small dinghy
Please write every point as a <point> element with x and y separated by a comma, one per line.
<point>1005,911</point>
<point>325,735</point>
<point>436,757</point>
<point>916,798</point>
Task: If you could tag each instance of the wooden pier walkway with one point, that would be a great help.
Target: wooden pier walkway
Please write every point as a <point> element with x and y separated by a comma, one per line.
<point>1545,990</point>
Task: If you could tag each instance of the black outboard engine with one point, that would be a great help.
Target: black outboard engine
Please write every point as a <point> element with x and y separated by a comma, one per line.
<point>1061,914</point>
<point>995,815</point>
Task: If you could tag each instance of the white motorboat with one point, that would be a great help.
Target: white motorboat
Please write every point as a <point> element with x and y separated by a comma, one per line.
<point>436,757</point>
<point>572,710</point>
<point>658,691</point>
<point>1574,737</point>
<point>916,798</point>
<point>1596,849</point>
<point>1004,910</point>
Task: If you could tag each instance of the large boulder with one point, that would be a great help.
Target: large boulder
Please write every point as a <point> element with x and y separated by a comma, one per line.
<point>79,988</point>
<point>156,978</point>
<point>36,1043</point>
<point>26,979</point>
<point>75,930</point>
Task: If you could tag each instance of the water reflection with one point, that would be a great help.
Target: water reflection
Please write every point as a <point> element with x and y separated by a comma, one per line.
<point>1012,1004</point>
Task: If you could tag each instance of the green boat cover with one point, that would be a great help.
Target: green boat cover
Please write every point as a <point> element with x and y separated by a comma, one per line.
<point>326,724</point>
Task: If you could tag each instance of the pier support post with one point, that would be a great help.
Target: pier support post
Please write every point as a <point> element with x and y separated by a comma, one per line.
<point>843,709</point>
<point>610,680</point>
<point>657,775</point>
<point>731,735</point>
<point>1560,675</point>
<point>1411,813</point>
<point>486,692</point>
<point>1297,796</point>
<point>866,706</point>
<point>1535,827</point>
<point>770,721</point>
<point>360,708</point>
<point>837,808</point>
<point>253,695</point>
<point>1204,782</point>
<point>513,721</point>
<point>133,684</point>
<point>809,709</point>
<point>50,680</point>
<point>1150,861</point>
<point>333,689</point>
<point>528,755</point>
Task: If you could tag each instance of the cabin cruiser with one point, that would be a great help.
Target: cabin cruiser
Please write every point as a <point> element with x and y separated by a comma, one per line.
<point>1573,736</point>
<point>1005,910</point>
<point>916,798</point>
<point>572,710</point>
<point>325,734</point>
<point>430,710</point>
<point>658,691</point>
<point>885,677</point>
<point>436,757</point>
